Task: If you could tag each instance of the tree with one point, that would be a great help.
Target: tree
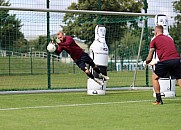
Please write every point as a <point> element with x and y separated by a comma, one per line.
<point>175,30</point>
<point>83,25</point>
<point>10,35</point>
<point>39,44</point>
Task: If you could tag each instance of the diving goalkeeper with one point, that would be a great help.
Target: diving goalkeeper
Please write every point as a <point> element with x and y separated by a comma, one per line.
<point>81,58</point>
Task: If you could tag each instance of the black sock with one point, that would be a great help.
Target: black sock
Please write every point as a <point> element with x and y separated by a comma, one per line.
<point>158,97</point>
<point>90,75</point>
<point>97,70</point>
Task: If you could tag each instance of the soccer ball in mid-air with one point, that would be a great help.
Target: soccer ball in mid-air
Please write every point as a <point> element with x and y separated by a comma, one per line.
<point>51,47</point>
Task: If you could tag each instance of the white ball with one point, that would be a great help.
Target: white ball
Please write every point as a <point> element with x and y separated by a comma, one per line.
<point>51,47</point>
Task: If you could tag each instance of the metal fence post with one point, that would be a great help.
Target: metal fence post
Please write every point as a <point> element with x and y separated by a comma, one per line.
<point>48,54</point>
<point>146,39</point>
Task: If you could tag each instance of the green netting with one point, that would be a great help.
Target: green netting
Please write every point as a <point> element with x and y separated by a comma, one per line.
<point>24,36</point>
<point>120,19</point>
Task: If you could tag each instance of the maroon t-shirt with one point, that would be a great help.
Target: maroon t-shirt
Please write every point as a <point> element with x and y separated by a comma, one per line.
<point>165,47</point>
<point>70,47</point>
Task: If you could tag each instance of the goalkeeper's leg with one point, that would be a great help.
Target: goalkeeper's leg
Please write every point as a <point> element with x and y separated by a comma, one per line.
<point>87,59</point>
<point>99,73</point>
<point>97,70</point>
<point>90,75</point>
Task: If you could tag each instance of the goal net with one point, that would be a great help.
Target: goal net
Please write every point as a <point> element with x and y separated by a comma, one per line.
<point>26,65</point>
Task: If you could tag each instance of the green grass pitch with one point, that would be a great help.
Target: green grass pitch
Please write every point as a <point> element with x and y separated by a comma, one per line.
<point>17,73</point>
<point>117,110</point>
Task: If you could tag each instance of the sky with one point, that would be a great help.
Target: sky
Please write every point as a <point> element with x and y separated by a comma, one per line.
<point>163,7</point>
<point>35,23</point>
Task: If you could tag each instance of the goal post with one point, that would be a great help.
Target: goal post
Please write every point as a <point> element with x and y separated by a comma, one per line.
<point>26,56</point>
<point>77,11</point>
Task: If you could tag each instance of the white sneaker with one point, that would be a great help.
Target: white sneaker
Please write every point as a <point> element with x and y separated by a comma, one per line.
<point>98,81</point>
<point>103,76</point>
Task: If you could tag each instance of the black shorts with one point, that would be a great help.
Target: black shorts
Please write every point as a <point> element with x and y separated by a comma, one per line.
<point>168,68</point>
<point>83,60</point>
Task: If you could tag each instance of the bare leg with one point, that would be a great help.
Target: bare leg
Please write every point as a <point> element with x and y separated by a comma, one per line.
<point>89,74</point>
<point>156,86</point>
<point>155,82</point>
<point>179,82</point>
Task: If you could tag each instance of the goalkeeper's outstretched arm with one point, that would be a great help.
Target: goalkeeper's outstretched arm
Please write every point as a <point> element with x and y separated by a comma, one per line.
<point>58,49</point>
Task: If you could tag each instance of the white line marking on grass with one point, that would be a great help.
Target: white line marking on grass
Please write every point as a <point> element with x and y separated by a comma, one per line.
<point>75,105</point>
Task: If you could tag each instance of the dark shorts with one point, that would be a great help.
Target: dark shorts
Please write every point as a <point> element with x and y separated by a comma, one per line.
<point>168,68</point>
<point>83,60</point>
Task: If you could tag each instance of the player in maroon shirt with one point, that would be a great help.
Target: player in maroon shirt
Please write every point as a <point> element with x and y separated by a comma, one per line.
<point>81,58</point>
<point>169,63</point>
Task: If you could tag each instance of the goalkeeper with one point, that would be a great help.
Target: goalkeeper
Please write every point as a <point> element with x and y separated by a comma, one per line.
<point>81,58</point>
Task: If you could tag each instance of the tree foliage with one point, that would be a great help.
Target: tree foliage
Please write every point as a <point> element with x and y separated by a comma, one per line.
<point>175,30</point>
<point>10,34</point>
<point>83,25</point>
<point>38,43</point>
